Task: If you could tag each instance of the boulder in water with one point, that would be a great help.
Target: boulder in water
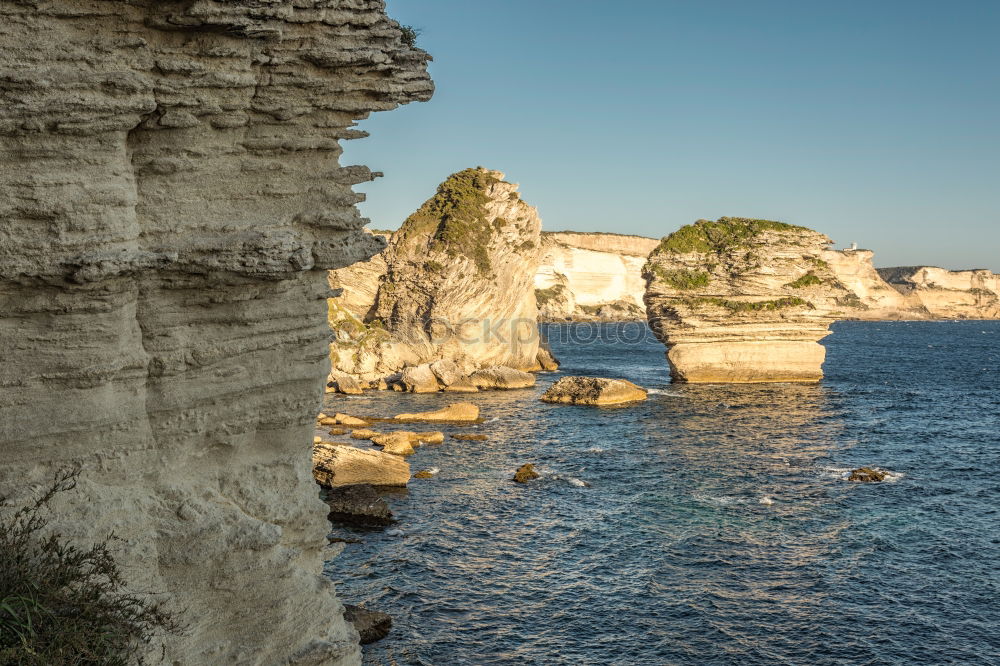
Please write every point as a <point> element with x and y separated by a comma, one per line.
<point>459,411</point>
<point>433,437</point>
<point>525,473</point>
<point>424,474</point>
<point>357,505</point>
<point>867,475</point>
<point>341,382</point>
<point>419,379</point>
<point>396,443</point>
<point>371,625</point>
<point>364,433</point>
<point>546,361</point>
<point>593,391</point>
<point>337,465</point>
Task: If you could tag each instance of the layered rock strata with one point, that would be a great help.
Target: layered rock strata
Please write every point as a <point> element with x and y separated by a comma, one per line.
<point>944,294</point>
<point>458,285</point>
<point>172,202</point>
<point>591,276</point>
<point>741,300</point>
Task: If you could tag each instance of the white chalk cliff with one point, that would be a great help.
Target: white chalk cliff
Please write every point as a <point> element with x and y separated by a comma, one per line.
<point>172,200</point>
<point>591,275</point>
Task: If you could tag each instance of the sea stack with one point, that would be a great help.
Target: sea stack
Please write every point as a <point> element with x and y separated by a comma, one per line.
<point>458,285</point>
<point>742,300</point>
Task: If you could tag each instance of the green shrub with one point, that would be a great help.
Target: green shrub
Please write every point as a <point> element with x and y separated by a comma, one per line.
<point>455,218</point>
<point>751,306</point>
<point>63,605</point>
<point>810,279</point>
<point>682,279</point>
<point>410,34</point>
<point>545,296</point>
<point>719,236</point>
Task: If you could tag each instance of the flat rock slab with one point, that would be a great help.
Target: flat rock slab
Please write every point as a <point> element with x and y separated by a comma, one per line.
<point>593,391</point>
<point>459,411</point>
<point>337,465</point>
<point>371,625</point>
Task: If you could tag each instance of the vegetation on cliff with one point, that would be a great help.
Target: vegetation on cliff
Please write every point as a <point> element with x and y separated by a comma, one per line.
<point>679,278</point>
<point>750,306</point>
<point>455,218</point>
<point>63,604</point>
<point>720,236</point>
<point>810,279</point>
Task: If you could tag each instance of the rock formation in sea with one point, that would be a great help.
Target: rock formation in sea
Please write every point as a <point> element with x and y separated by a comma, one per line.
<point>585,276</point>
<point>457,286</point>
<point>742,300</point>
<point>172,202</point>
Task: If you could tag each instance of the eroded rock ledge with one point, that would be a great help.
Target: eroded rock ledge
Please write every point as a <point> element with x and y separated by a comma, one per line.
<point>741,300</point>
<point>172,200</point>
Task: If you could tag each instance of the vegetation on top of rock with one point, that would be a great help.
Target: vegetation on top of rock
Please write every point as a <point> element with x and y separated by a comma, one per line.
<point>721,235</point>
<point>750,306</point>
<point>455,218</point>
<point>810,279</point>
<point>63,604</point>
<point>679,278</point>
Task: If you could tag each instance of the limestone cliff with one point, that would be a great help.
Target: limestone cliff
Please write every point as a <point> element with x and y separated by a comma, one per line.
<point>740,300</point>
<point>944,294</point>
<point>457,285</point>
<point>588,276</point>
<point>172,201</point>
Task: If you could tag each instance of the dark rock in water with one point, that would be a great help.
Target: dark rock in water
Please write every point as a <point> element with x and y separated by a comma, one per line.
<point>525,473</point>
<point>470,438</point>
<point>357,505</point>
<point>868,475</point>
<point>372,625</point>
<point>424,474</point>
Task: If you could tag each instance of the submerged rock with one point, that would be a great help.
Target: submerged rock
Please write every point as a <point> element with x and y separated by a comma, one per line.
<point>357,504</point>
<point>501,377</point>
<point>371,625</point>
<point>424,474</point>
<point>337,465</point>
<point>525,473</point>
<point>867,475</point>
<point>459,411</point>
<point>593,391</point>
<point>470,437</point>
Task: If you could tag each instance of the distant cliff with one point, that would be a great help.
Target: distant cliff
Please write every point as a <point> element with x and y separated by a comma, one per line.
<point>943,294</point>
<point>591,276</point>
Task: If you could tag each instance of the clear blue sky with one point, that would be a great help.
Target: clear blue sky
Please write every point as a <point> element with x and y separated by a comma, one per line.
<point>872,121</point>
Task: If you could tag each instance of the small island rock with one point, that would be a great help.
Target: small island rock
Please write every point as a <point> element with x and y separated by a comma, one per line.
<point>593,391</point>
<point>525,473</point>
<point>371,625</point>
<point>868,475</point>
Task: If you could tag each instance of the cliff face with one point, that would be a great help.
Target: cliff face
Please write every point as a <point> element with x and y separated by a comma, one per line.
<point>581,274</point>
<point>741,300</point>
<point>457,285</point>
<point>172,200</point>
<point>947,294</point>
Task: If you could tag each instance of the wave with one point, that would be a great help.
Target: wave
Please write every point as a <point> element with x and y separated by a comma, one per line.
<point>672,394</point>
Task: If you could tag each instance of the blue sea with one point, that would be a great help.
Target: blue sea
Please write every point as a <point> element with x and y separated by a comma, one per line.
<point>709,525</point>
